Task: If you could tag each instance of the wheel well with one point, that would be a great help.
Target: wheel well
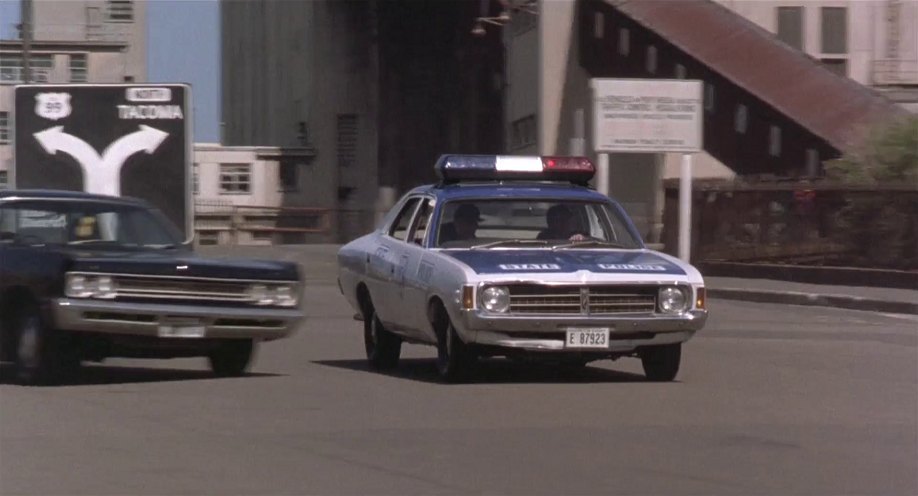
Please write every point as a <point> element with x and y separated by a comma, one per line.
<point>364,300</point>
<point>436,313</point>
<point>11,302</point>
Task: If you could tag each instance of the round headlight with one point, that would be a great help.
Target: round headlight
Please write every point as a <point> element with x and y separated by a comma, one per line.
<point>285,296</point>
<point>104,287</point>
<point>77,287</point>
<point>495,299</point>
<point>672,300</point>
<point>260,295</point>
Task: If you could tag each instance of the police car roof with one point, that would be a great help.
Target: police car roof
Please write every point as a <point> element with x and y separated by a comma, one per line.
<point>57,194</point>
<point>511,189</point>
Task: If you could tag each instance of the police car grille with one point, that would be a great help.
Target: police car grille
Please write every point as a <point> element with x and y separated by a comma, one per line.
<point>179,288</point>
<point>581,300</point>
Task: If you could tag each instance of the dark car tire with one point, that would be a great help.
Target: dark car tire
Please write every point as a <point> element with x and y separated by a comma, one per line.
<point>382,346</point>
<point>41,354</point>
<point>232,357</point>
<point>456,361</point>
<point>661,363</point>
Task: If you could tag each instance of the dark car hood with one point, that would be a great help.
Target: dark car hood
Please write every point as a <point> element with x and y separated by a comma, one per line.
<point>548,261</point>
<point>178,263</point>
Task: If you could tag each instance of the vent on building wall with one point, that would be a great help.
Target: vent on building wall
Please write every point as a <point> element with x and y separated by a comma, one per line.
<point>119,10</point>
<point>347,140</point>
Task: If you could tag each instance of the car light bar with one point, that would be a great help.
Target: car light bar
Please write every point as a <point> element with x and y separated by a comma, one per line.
<point>457,168</point>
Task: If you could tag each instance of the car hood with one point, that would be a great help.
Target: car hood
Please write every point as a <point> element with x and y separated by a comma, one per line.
<point>566,261</point>
<point>178,263</point>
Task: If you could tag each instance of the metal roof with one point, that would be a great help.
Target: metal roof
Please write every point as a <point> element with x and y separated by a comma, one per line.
<point>835,108</point>
<point>55,194</point>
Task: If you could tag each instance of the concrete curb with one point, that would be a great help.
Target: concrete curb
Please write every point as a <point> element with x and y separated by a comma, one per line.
<point>814,299</point>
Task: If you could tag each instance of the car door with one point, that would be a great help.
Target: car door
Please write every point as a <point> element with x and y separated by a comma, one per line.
<point>386,264</point>
<point>419,269</point>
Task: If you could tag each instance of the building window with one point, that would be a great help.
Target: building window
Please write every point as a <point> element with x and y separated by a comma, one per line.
<point>523,132</point>
<point>740,122</point>
<point>4,179</point>
<point>119,10</point>
<point>624,42</point>
<point>679,71</point>
<point>790,26</point>
<point>208,238</point>
<point>288,173</point>
<point>838,66</point>
<point>709,97</point>
<point>651,62</point>
<point>834,30</point>
<point>195,185</point>
<point>599,25</point>
<point>11,70</point>
<point>235,179</point>
<point>78,68</point>
<point>4,127</point>
<point>774,141</point>
<point>347,140</point>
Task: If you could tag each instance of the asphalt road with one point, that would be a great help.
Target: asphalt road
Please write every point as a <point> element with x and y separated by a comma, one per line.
<point>771,400</point>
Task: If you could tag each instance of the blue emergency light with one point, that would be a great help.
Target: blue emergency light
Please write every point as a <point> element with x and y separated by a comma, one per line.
<point>458,168</point>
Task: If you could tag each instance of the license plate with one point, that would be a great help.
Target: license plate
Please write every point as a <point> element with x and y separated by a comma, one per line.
<point>591,337</point>
<point>178,331</point>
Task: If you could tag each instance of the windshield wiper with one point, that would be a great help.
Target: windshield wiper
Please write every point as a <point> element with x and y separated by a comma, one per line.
<point>506,242</point>
<point>588,242</point>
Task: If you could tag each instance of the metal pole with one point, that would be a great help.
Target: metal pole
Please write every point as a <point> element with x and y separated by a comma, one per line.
<point>685,208</point>
<point>602,174</point>
<point>25,14</point>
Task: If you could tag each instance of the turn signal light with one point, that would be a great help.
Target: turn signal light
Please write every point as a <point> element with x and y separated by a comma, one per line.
<point>699,298</point>
<point>468,297</point>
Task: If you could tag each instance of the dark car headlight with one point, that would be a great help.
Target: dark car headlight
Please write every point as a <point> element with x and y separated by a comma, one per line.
<point>672,300</point>
<point>281,295</point>
<point>90,286</point>
<point>495,299</point>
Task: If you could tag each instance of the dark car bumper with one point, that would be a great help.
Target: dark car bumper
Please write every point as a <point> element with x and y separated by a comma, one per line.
<point>168,320</point>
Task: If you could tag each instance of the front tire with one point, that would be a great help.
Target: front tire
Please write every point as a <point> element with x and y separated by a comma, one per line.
<point>232,358</point>
<point>455,359</point>
<point>661,363</point>
<point>41,357</point>
<point>382,346</point>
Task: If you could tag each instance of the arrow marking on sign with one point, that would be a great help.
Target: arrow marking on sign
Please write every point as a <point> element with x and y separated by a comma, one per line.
<point>102,173</point>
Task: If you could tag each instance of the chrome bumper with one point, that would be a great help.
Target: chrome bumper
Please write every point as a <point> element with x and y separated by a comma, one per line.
<point>627,332</point>
<point>149,319</point>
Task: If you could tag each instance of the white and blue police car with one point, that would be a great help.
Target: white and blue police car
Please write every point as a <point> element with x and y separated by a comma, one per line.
<point>515,256</point>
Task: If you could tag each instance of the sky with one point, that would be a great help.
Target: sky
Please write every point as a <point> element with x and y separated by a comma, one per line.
<point>183,46</point>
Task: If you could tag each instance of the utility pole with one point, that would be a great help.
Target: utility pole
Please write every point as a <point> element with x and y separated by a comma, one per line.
<point>25,14</point>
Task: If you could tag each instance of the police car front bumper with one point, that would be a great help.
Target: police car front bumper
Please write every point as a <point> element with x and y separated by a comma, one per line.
<point>548,333</point>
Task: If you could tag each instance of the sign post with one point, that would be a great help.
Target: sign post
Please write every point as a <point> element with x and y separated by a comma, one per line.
<point>650,116</point>
<point>107,139</point>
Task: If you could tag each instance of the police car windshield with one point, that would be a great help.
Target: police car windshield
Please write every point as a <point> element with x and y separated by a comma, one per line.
<point>508,224</point>
<point>90,224</point>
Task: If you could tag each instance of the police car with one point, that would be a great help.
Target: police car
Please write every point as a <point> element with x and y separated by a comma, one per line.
<point>515,256</point>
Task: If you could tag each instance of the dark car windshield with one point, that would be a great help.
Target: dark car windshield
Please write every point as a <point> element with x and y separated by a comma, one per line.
<point>56,222</point>
<point>483,224</point>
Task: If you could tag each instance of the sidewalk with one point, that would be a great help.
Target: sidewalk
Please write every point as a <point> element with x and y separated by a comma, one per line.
<point>794,293</point>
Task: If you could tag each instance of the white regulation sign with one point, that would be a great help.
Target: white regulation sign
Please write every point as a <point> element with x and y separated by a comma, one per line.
<point>647,115</point>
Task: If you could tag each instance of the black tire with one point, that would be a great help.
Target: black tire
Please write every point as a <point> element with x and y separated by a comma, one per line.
<point>41,355</point>
<point>382,346</point>
<point>661,363</point>
<point>455,360</point>
<point>232,357</point>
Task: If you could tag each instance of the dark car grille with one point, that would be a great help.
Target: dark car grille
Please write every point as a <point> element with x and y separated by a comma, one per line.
<point>585,300</point>
<point>181,288</point>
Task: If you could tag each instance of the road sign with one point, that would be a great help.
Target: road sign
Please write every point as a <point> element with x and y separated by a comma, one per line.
<point>111,139</point>
<point>647,115</point>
